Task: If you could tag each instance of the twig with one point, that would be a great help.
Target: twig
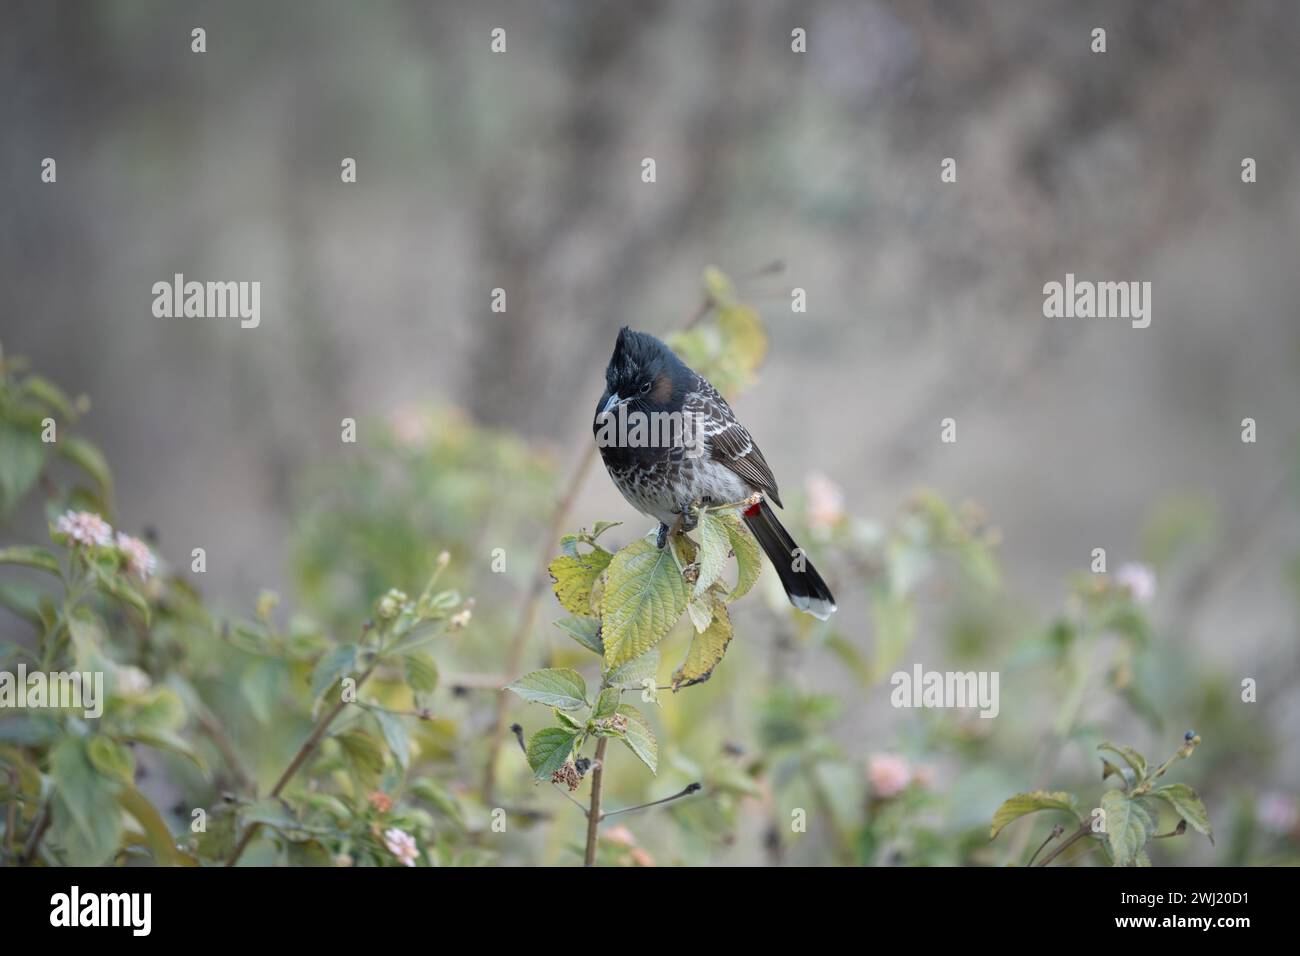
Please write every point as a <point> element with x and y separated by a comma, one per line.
<point>1056,832</point>
<point>593,815</point>
<point>1085,829</point>
<point>34,838</point>
<point>686,792</point>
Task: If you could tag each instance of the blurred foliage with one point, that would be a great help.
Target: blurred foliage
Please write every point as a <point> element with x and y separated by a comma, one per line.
<point>350,730</point>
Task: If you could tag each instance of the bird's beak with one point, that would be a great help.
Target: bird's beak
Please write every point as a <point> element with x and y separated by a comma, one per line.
<point>611,404</point>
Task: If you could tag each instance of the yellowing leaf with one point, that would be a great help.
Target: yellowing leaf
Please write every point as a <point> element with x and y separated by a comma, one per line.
<point>748,556</point>
<point>573,577</point>
<point>1013,808</point>
<point>644,596</point>
<point>706,650</point>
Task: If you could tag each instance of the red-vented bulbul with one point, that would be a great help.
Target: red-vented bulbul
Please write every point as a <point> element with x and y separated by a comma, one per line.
<point>669,440</point>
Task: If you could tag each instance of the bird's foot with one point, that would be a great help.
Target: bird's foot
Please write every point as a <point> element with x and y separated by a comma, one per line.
<point>661,538</point>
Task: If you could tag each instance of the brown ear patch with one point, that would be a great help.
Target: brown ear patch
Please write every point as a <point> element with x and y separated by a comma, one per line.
<point>662,391</point>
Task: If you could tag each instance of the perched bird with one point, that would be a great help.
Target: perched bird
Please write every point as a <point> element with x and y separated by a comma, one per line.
<point>670,441</point>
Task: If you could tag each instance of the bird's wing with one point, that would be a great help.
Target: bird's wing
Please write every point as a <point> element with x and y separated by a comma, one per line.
<point>728,442</point>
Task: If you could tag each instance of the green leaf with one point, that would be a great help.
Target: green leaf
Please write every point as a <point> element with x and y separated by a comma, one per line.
<point>395,735</point>
<point>111,758</point>
<point>170,741</point>
<point>445,800</point>
<point>30,558</point>
<point>635,672</point>
<point>87,456</point>
<point>1187,804</point>
<point>715,547</point>
<point>331,668</point>
<point>706,650</point>
<point>572,578</point>
<point>1129,756</point>
<point>749,560</point>
<point>45,391</point>
<point>22,456</point>
<point>421,672</point>
<point>1128,826</point>
<point>644,596</point>
<point>600,527</point>
<point>584,630</point>
<point>640,739</point>
<point>162,843</point>
<point>548,750</point>
<point>1013,808</point>
<point>364,754</point>
<point>87,833</point>
<point>607,703</point>
<point>554,686</point>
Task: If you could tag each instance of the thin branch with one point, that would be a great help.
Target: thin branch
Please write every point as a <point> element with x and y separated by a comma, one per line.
<point>593,815</point>
<point>306,750</point>
<point>1055,834</point>
<point>685,792</point>
<point>1085,829</point>
<point>38,832</point>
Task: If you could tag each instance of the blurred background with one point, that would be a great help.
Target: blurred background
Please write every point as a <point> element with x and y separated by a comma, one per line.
<point>522,171</point>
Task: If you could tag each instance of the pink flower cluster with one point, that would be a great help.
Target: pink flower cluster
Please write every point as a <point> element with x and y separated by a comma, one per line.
<point>89,530</point>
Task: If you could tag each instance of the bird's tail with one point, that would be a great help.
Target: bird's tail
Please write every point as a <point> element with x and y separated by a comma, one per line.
<point>803,585</point>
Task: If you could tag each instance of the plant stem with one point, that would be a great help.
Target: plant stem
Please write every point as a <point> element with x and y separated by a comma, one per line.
<point>593,814</point>
<point>1084,830</point>
<point>308,747</point>
<point>685,792</point>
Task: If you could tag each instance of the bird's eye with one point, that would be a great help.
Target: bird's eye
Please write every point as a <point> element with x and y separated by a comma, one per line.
<point>645,387</point>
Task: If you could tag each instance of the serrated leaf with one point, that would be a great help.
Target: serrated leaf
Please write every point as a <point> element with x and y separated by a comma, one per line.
<point>30,557</point>
<point>640,739</point>
<point>548,749</point>
<point>644,596</point>
<point>572,576</point>
<point>554,686</point>
<point>1128,826</point>
<point>1129,756</point>
<point>749,560</point>
<point>607,703</point>
<point>1013,808</point>
<point>635,672</point>
<point>584,630</point>
<point>715,547</point>
<point>706,650</point>
<point>1187,804</point>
